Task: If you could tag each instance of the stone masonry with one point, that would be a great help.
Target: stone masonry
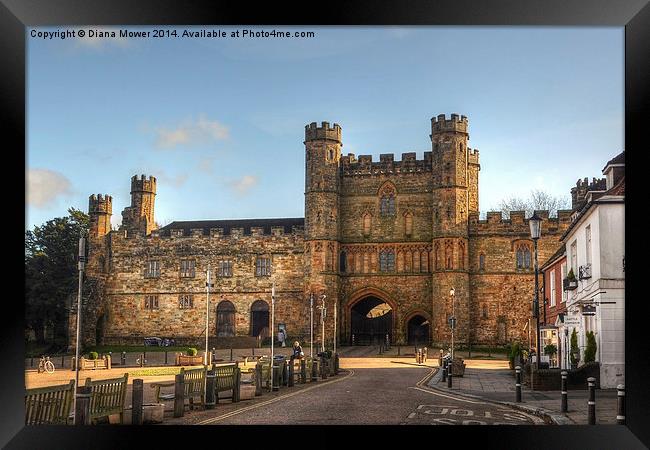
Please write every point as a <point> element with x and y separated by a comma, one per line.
<point>402,231</point>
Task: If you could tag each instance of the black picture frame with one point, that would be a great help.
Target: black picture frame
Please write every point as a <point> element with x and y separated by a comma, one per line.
<point>634,15</point>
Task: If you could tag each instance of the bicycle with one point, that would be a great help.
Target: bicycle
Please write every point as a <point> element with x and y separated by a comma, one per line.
<point>45,365</point>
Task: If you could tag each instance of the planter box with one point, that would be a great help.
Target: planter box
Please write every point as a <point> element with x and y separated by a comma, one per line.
<point>184,360</point>
<point>569,285</point>
<point>92,364</point>
<point>246,392</point>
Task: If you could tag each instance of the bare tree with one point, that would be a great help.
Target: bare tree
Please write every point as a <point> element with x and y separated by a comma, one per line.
<point>538,200</point>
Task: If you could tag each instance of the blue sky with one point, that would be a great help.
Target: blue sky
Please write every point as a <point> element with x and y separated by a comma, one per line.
<point>220,122</point>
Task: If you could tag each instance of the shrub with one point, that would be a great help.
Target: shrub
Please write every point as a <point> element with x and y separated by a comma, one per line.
<point>192,351</point>
<point>550,349</point>
<point>590,351</point>
<point>93,355</point>
<point>575,351</point>
<point>571,276</point>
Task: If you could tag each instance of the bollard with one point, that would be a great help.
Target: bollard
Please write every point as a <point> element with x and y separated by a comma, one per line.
<point>179,395</point>
<point>303,371</point>
<point>591,403</point>
<point>336,364</point>
<point>291,370</point>
<point>450,374</point>
<point>424,355</point>
<point>314,370</point>
<point>165,357</point>
<point>258,379</point>
<point>137,397</point>
<point>253,351</point>
<point>444,371</point>
<point>82,407</point>
<point>285,374</point>
<point>236,392</point>
<point>440,358</point>
<point>210,399</point>
<point>231,352</point>
<point>565,405</point>
<point>620,415</point>
<point>518,384</point>
<point>123,359</point>
<point>275,382</point>
<point>323,369</point>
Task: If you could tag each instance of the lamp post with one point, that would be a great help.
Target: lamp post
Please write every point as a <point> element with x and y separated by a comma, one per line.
<point>322,320</point>
<point>207,311</point>
<point>452,319</point>
<point>335,301</point>
<point>272,332</point>
<point>82,262</point>
<point>311,325</point>
<point>535,223</point>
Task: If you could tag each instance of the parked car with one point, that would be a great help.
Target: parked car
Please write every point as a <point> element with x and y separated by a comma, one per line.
<point>168,342</point>
<point>153,342</point>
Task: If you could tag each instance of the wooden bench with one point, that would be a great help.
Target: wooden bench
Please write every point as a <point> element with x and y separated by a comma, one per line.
<point>50,405</point>
<point>193,385</point>
<point>227,379</point>
<point>107,397</point>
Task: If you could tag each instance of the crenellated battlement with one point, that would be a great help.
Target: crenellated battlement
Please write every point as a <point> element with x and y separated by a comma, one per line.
<point>518,222</point>
<point>143,184</point>
<point>472,156</point>
<point>364,165</point>
<point>455,123</point>
<point>100,204</point>
<point>579,193</point>
<point>314,133</point>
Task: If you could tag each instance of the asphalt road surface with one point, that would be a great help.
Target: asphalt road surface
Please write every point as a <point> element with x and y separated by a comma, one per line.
<point>371,396</point>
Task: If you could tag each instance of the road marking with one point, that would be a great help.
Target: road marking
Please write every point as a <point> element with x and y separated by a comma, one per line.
<point>447,396</point>
<point>273,400</point>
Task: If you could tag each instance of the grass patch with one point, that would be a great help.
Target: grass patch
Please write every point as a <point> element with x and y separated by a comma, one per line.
<point>155,372</point>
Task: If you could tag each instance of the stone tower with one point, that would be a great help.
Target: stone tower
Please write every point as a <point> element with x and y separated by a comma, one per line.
<point>139,217</point>
<point>455,182</point>
<point>322,225</point>
<point>100,209</point>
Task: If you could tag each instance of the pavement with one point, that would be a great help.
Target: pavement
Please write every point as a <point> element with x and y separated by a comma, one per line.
<point>498,385</point>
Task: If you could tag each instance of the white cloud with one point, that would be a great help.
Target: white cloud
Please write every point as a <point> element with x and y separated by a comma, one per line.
<point>242,185</point>
<point>45,186</point>
<point>191,133</point>
<point>205,164</point>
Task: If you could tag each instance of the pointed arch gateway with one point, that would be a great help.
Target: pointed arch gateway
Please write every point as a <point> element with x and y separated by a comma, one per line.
<point>369,316</point>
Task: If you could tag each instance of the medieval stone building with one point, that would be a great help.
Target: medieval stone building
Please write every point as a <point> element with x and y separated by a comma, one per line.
<point>383,240</point>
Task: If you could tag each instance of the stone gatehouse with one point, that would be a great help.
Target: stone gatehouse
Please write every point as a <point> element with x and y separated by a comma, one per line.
<point>383,240</point>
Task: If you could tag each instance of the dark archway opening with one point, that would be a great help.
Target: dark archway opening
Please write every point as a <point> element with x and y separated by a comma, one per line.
<point>418,331</point>
<point>225,319</point>
<point>260,319</point>
<point>99,330</point>
<point>371,319</point>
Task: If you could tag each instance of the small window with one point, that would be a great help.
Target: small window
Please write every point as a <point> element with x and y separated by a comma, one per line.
<point>224,268</point>
<point>408,224</point>
<point>186,301</point>
<point>387,261</point>
<point>366,224</point>
<point>263,267</point>
<point>152,270</point>
<point>150,302</point>
<point>187,268</point>
<point>481,262</point>
<point>523,257</point>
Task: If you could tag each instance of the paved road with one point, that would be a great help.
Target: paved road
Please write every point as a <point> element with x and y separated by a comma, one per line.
<point>363,396</point>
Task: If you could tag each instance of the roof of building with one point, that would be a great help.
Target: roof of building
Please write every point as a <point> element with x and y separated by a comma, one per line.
<point>618,189</point>
<point>559,253</point>
<point>228,224</point>
<point>618,159</point>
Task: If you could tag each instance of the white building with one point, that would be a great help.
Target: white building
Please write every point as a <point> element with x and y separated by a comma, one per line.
<point>595,246</point>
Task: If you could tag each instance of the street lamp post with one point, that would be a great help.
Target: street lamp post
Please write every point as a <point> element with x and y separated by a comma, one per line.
<point>272,332</point>
<point>335,301</point>
<point>535,223</point>
<point>452,320</point>
<point>322,320</point>
<point>82,262</point>
<point>311,325</point>
<point>207,311</point>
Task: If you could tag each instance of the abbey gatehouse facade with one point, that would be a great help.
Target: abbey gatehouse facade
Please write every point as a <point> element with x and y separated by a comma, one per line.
<point>384,240</point>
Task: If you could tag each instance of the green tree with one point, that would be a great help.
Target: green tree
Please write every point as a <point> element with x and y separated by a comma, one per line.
<point>51,275</point>
<point>575,351</point>
<point>590,351</point>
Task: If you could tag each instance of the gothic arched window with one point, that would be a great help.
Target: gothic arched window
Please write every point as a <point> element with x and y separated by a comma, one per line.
<point>387,200</point>
<point>408,224</point>
<point>387,261</point>
<point>366,224</point>
<point>523,256</point>
<point>461,255</point>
